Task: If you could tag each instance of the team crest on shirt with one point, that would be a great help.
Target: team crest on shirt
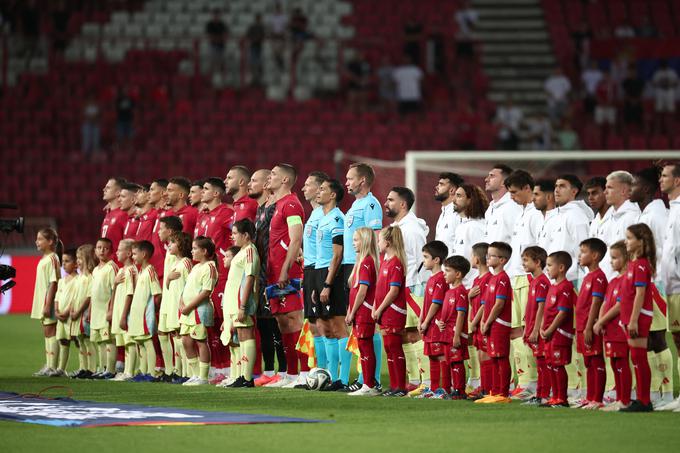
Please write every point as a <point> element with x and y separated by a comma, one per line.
<point>629,275</point>
<point>385,272</point>
<point>588,285</point>
<point>349,220</point>
<point>113,220</point>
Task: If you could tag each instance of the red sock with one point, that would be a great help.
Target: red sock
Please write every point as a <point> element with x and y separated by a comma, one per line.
<point>458,376</point>
<point>504,375</point>
<point>486,369</point>
<point>600,378</point>
<point>159,353</point>
<point>120,352</point>
<point>496,385</point>
<point>367,361</point>
<point>617,378</point>
<point>643,374</point>
<point>395,353</point>
<point>542,381</point>
<point>435,374</point>
<point>590,377</point>
<point>289,340</point>
<point>304,360</point>
<point>562,383</point>
<point>552,371</point>
<point>257,368</point>
<point>625,379</point>
<point>446,376</point>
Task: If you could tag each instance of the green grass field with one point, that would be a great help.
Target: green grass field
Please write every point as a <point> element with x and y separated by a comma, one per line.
<point>363,424</point>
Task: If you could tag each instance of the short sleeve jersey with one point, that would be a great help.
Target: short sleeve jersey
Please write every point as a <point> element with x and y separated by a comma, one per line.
<point>103,277</point>
<point>46,273</point>
<point>146,224</point>
<point>483,284</point>
<point>113,225</point>
<point>84,285</point>
<point>331,227</point>
<point>561,298</point>
<point>142,309</point>
<point>244,208</point>
<point>159,250</point>
<point>364,212</point>
<point>131,227</point>
<point>638,275</point>
<point>594,285</point>
<point>288,212</point>
<point>538,292</point>
<point>391,274</point>
<point>435,290</point>
<point>189,216</point>
<point>499,288</point>
<point>366,275</point>
<point>66,292</point>
<point>455,301</point>
<point>613,331</point>
<point>203,277</point>
<point>309,236</point>
<point>218,228</point>
<point>173,294</point>
<point>123,290</point>
<point>245,264</point>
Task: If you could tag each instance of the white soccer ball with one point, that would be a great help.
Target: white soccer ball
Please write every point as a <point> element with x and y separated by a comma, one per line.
<point>318,379</point>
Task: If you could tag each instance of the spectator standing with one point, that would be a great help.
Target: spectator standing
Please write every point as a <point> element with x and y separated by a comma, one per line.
<point>582,38</point>
<point>386,86</point>
<point>539,132</point>
<point>557,87</point>
<point>509,118</point>
<point>567,138</point>
<point>605,95</point>
<point>90,129</point>
<point>590,78</point>
<point>277,22</point>
<point>125,107</point>
<point>358,78</point>
<point>665,82</point>
<point>60,20</point>
<point>256,34</point>
<point>466,19</point>
<point>633,87</point>
<point>413,37</point>
<point>216,31</point>
<point>407,79</point>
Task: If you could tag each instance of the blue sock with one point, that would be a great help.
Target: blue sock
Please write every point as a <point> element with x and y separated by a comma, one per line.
<point>332,357</point>
<point>320,352</point>
<point>345,360</point>
<point>378,348</point>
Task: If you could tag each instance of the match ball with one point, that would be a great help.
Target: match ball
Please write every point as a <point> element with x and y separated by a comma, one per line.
<point>318,379</point>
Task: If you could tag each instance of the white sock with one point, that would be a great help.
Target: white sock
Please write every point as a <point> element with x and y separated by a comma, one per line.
<point>268,373</point>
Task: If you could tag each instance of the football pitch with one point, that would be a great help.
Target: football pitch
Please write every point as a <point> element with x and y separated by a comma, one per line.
<point>359,424</point>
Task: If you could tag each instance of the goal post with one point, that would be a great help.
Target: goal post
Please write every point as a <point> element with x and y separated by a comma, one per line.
<point>419,170</point>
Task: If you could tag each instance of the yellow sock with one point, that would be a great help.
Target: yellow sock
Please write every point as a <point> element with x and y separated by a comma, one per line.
<point>655,384</point>
<point>473,364</point>
<point>101,352</point>
<point>520,361</point>
<point>130,359</point>
<point>235,368</point>
<point>179,351</point>
<point>530,361</point>
<point>166,350</point>
<point>91,355</point>
<point>664,361</point>
<point>142,358</point>
<point>111,354</point>
<point>47,352</point>
<point>82,355</point>
<point>193,366</point>
<point>423,361</point>
<point>204,369</point>
<point>53,352</point>
<point>247,358</point>
<point>63,355</point>
<point>150,354</point>
<point>412,368</point>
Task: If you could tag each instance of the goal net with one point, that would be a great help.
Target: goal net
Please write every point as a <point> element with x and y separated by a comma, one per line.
<point>419,170</point>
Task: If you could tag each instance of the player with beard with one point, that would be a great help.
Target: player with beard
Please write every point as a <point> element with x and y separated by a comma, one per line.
<point>502,211</point>
<point>470,203</point>
<point>285,242</point>
<point>127,199</point>
<point>146,214</point>
<point>158,199</point>
<point>544,200</point>
<point>115,219</point>
<point>597,201</point>
<point>267,328</point>
<point>236,184</point>
<point>449,219</point>
<point>178,196</point>
<point>195,195</point>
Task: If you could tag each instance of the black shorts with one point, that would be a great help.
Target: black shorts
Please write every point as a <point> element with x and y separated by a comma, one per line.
<point>337,302</point>
<point>309,285</point>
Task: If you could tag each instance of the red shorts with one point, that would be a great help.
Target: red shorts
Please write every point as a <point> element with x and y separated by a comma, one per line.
<point>588,351</point>
<point>483,341</point>
<point>616,349</point>
<point>363,329</point>
<point>557,355</point>
<point>644,323</point>
<point>433,349</point>
<point>498,344</point>
<point>537,348</point>
<point>391,330</point>
<point>460,354</point>
<point>286,304</point>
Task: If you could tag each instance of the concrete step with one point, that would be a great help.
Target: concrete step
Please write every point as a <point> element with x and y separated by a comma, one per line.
<point>518,60</point>
<point>518,73</point>
<point>507,13</point>
<point>524,97</point>
<point>517,48</point>
<point>512,25</point>
<point>517,84</point>
<point>504,3</point>
<point>539,36</point>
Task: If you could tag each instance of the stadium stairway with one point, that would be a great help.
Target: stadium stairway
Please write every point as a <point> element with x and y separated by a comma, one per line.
<point>517,51</point>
